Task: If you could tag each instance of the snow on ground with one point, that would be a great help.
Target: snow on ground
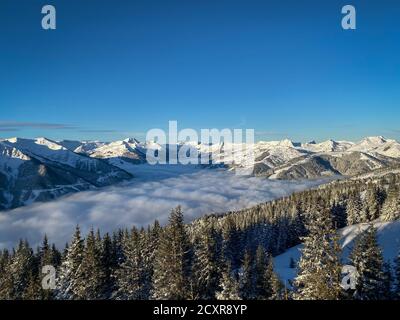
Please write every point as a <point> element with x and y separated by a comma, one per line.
<point>151,195</point>
<point>10,160</point>
<point>46,149</point>
<point>388,238</point>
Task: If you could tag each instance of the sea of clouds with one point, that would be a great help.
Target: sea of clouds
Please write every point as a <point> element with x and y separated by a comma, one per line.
<point>139,202</point>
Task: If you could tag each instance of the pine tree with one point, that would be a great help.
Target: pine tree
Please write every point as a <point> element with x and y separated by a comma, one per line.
<point>149,244</point>
<point>21,266</point>
<point>388,280</point>
<point>367,258</point>
<point>263,289</point>
<point>89,283</point>
<point>109,264</point>
<point>373,202</point>
<point>68,279</point>
<point>130,274</point>
<point>279,291</point>
<point>207,259</point>
<point>45,253</point>
<point>6,277</point>
<point>299,229</point>
<point>117,247</point>
<point>339,215</point>
<point>391,207</point>
<point>247,278</point>
<point>33,290</point>
<point>173,261</point>
<point>355,210</point>
<point>319,274</point>
<point>229,285</point>
<point>274,283</point>
<point>48,256</point>
<point>232,240</point>
<point>56,255</point>
<point>267,285</point>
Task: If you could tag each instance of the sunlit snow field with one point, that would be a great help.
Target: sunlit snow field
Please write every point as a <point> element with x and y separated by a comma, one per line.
<point>388,236</point>
<point>150,195</point>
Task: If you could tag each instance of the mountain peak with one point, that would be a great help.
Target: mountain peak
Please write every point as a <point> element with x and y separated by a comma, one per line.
<point>12,140</point>
<point>329,142</point>
<point>129,140</point>
<point>49,143</point>
<point>286,143</point>
<point>375,140</point>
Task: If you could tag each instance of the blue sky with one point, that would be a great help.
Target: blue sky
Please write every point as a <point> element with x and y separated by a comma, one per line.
<point>118,68</point>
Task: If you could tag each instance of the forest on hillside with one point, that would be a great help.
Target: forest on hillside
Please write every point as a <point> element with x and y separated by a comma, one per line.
<point>228,256</point>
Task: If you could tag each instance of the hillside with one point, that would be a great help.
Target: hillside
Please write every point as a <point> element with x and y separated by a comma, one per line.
<point>388,238</point>
<point>41,170</point>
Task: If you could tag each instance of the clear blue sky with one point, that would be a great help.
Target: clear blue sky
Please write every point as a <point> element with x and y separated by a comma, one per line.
<point>118,68</point>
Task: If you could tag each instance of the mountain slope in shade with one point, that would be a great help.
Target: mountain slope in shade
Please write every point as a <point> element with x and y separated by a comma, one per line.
<point>41,169</point>
<point>388,238</point>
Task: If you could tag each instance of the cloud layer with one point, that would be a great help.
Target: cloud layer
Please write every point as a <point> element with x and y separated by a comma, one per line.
<point>140,202</point>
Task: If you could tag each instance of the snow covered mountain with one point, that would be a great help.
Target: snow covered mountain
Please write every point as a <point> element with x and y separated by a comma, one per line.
<point>84,147</point>
<point>274,159</point>
<point>42,169</point>
<point>378,145</point>
<point>328,146</point>
<point>313,160</point>
<point>122,154</point>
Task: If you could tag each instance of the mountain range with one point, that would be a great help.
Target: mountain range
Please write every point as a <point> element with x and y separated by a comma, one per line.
<point>42,169</point>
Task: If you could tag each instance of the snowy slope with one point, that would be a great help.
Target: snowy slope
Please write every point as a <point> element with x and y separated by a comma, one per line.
<point>369,144</point>
<point>11,159</point>
<point>42,169</point>
<point>388,238</point>
<point>329,158</point>
<point>328,146</point>
<point>128,149</point>
<point>71,145</point>
<point>48,150</point>
<point>380,145</point>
